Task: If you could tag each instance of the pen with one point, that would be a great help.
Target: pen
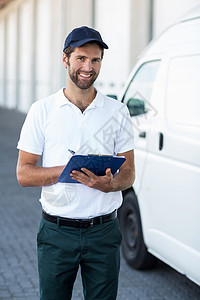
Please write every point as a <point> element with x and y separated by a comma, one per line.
<point>71,151</point>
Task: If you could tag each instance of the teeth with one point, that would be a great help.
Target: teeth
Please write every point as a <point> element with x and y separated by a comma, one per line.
<point>85,75</point>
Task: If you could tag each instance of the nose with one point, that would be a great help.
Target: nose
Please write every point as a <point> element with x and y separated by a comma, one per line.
<point>88,66</point>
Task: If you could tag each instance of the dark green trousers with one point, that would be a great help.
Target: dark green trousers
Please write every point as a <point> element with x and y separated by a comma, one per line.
<point>61,250</point>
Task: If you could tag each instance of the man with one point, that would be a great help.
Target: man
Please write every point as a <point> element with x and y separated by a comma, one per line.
<point>79,225</point>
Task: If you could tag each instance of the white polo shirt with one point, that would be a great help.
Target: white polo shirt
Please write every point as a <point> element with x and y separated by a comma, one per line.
<point>54,125</point>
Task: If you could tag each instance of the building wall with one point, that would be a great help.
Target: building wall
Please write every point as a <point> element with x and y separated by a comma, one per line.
<point>115,30</point>
<point>166,14</point>
<point>32,33</point>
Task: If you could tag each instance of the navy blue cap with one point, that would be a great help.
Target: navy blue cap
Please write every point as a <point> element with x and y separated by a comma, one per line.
<point>82,35</point>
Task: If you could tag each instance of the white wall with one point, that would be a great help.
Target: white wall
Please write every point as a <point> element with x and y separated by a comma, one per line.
<point>140,28</point>
<point>43,48</point>
<point>167,12</point>
<point>11,60</point>
<point>32,34</point>
<point>112,19</point>
<point>25,58</point>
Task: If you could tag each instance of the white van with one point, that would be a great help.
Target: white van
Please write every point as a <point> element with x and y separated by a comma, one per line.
<point>160,216</point>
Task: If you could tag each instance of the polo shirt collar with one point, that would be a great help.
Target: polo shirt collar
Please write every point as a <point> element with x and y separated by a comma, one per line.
<point>62,100</point>
<point>98,100</point>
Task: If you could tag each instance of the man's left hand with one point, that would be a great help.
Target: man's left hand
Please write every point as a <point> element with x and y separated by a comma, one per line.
<point>102,183</point>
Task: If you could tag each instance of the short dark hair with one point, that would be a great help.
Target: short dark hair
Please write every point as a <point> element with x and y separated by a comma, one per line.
<point>68,51</point>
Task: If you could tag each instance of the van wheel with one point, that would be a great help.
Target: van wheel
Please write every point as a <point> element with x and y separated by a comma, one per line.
<point>133,247</point>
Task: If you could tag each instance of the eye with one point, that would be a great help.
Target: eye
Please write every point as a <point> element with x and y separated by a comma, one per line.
<point>80,58</point>
<point>96,60</point>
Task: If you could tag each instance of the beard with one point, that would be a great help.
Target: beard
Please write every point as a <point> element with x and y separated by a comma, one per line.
<point>82,83</point>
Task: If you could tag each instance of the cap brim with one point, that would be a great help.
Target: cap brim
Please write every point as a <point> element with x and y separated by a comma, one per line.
<point>82,42</point>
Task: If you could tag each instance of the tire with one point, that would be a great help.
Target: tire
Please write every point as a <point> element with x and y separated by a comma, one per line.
<point>133,247</point>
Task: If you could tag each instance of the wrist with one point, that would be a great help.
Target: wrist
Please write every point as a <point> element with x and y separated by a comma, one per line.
<point>110,187</point>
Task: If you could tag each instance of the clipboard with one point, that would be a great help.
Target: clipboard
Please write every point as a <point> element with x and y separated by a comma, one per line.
<point>95,163</point>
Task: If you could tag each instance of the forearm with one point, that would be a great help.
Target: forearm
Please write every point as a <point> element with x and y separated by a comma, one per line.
<point>31,175</point>
<point>122,180</point>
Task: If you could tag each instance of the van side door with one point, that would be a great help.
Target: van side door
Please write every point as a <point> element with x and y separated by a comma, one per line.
<point>171,182</point>
<point>137,97</point>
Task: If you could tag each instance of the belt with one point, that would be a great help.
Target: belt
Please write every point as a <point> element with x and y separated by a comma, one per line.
<point>80,223</point>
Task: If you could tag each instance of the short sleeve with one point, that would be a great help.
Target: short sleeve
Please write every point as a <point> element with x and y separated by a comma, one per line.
<point>125,138</point>
<point>32,133</point>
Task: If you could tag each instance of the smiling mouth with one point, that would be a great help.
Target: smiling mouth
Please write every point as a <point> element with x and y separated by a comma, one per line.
<point>83,75</point>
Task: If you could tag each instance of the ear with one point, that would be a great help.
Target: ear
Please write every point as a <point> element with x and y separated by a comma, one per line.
<point>65,60</point>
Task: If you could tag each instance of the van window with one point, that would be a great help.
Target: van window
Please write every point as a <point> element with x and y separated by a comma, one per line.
<point>183,90</point>
<point>138,94</point>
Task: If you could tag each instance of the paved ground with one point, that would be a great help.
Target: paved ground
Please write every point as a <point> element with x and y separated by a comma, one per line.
<point>19,219</point>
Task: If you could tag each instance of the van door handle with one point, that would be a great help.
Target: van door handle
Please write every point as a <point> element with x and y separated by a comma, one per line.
<point>142,134</point>
<point>161,141</point>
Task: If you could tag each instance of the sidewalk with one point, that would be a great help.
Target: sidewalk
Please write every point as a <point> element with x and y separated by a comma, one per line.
<point>19,221</point>
<point>20,214</point>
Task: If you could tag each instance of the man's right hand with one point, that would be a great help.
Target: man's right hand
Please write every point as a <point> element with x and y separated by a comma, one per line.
<point>29,174</point>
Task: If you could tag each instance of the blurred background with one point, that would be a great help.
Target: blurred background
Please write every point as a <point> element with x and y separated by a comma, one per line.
<point>32,34</point>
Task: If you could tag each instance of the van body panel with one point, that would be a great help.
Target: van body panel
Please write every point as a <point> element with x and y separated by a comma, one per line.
<point>167,156</point>
<point>187,259</point>
<point>179,34</point>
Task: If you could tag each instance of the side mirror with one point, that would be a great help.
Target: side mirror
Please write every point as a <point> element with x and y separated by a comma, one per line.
<point>136,107</point>
<point>112,96</point>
